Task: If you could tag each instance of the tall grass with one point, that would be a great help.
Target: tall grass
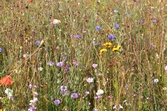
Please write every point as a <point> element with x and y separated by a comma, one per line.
<point>133,77</point>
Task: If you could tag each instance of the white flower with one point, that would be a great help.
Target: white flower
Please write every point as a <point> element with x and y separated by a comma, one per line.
<point>9,92</point>
<point>33,101</point>
<point>40,68</point>
<point>99,92</point>
<point>89,80</point>
<point>120,106</point>
<point>156,80</point>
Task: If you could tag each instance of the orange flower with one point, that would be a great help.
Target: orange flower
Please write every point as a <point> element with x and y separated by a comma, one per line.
<point>7,80</point>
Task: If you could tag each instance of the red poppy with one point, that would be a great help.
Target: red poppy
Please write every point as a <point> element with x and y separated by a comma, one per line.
<point>31,0</point>
<point>127,24</point>
<point>7,80</point>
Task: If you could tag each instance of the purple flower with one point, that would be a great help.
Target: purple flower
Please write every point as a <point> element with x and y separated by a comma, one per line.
<point>154,21</point>
<point>63,88</point>
<point>66,69</point>
<point>98,28</point>
<point>60,64</point>
<point>57,102</point>
<point>74,95</point>
<point>141,21</point>
<point>116,26</point>
<point>32,108</point>
<point>38,42</point>
<point>96,43</point>
<point>50,63</point>
<point>0,49</point>
<point>111,37</point>
<point>75,63</point>
<point>78,36</point>
<point>86,92</point>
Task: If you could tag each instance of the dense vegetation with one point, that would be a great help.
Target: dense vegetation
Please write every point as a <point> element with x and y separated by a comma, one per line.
<point>83,55</point>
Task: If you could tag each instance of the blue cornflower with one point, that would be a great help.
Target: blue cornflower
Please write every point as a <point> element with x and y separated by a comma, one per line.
<point>38,42</point>
<point>0,49</point>
<point>116,26</point>
<point>111,37</point>
<point>98,28</point>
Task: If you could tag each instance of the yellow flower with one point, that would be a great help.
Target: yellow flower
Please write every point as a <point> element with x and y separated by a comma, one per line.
<point>0,109</point>
<point>116,48</point>
<point>107,44</point>
<point>102,51</point>
<point>149,3</point>
<point>130,3</point>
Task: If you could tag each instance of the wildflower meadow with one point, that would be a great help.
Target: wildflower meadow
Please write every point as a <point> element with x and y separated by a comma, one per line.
<point>83,55</point>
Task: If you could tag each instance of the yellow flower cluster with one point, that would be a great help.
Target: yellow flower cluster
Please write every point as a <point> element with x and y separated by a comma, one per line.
<point>109,45</point>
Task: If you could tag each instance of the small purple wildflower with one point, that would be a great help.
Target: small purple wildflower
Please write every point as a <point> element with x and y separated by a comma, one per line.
<point>66,69</point>
<point>32,108</point>
<point>75,63</point>
<point>57,102</point>
<point>98,28</point>
<point>141,21</point>
<point>60,64</point>
<point>86,92</point>
<point>38,42</point>
<point>116,26</point>
<point>96,43</point>
<point>50,63</point>
<point>63,88</point>
<point>154,21</point>
<point>98,97</point>
<point>78,36</point>
<point>111,37</point>
<point>0,49</point>
<point>74,95</point>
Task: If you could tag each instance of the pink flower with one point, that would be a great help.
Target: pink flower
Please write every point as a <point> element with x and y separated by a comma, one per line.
<point>94,65</point>
<point>56,21</point>
<point>89,80</point>
<point>60,64</point>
